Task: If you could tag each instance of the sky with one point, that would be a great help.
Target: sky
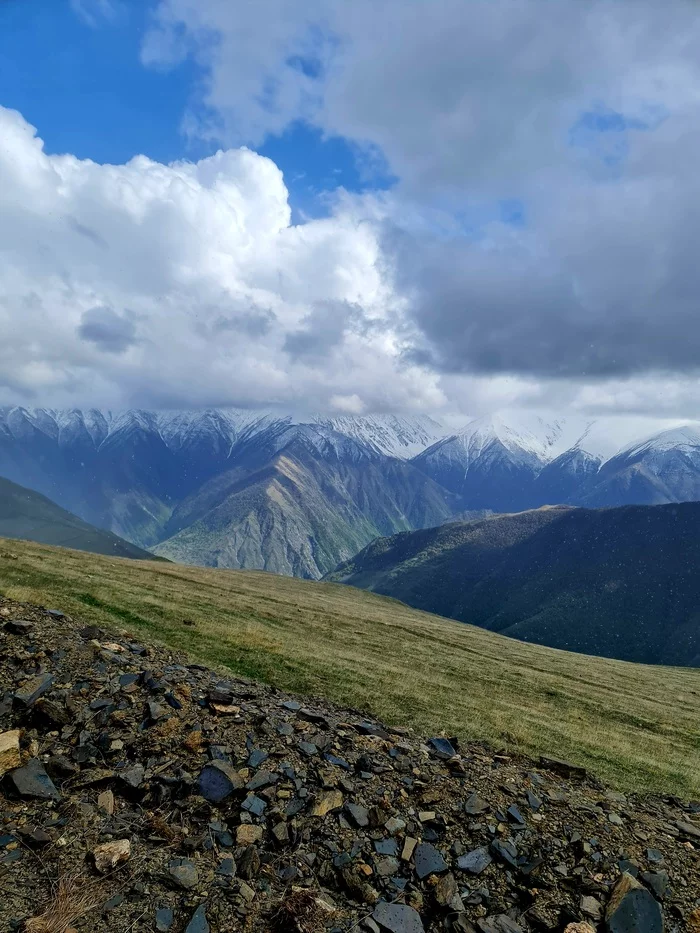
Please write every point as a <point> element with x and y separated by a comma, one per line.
<point>353,206</point>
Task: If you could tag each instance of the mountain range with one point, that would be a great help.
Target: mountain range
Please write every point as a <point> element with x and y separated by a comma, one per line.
<point>619,582</point>
<point>300,494</point>
<point>28,515</point>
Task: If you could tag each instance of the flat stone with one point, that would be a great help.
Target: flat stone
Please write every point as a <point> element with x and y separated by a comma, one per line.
<point>397,918</point>
<point>657,881</point>
<point>198,923</point>
<point>183,872</point>
<point>428,860</point>
<point>323,805</point>
<point>500,923</point>
<point>358,814</point>
<point>688,829</point>
<point>247,834</point>
<point>33,781</point>
<point>475,806</point>
<point>164,919</point>
<point>218,780</point>
<point>257,757</point>
<point>386,847</point>
<point>262,779</point>
<point>443,748</point>
<point>633,909</point>
<point>110,854</point>
<point>506,851</point>
<point>9,751</point>
<point>565,768</point>
<point>105,801</point>
<point>387,867</point>
<point>254,805</point>
<point>133,777</point>
<point>32,689</point>
<point>447,894</point>
<point>19,626</point>
<point>591,907</point>
<point>475,861</point>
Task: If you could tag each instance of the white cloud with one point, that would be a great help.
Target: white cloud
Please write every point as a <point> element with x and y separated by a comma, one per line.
<point>182,284</point>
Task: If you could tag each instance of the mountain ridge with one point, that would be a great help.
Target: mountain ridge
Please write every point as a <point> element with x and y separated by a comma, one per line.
<point>618,582</point>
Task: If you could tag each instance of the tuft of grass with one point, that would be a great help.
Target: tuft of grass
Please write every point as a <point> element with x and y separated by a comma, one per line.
<point>637,726</point>
<point>74,897</point>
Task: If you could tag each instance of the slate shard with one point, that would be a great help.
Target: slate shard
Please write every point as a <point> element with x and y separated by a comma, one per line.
<point>428,860</point>
<point>217,781</point>
<point>33,781</point>
<point>633,909</point>
<point>198,923</point>
<point>475,861</point>
<point>443,748</point>
<point>397,918</point>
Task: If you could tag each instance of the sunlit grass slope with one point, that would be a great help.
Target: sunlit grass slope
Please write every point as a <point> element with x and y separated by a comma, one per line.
<point>636,726</point>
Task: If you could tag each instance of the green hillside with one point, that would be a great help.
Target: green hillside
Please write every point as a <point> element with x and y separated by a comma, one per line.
<point>619,582</point>
<point>638,726</point>
<point>27,514</point>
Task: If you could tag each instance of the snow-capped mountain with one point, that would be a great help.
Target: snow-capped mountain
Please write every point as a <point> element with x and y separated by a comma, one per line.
<point>308,488</point>
<point>662,468</point>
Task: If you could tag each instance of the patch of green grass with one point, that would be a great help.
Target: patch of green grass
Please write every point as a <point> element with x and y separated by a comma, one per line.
<point>634,725</point>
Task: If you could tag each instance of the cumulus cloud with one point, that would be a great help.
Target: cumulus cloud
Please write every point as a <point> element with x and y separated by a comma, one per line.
<point>186,284</point>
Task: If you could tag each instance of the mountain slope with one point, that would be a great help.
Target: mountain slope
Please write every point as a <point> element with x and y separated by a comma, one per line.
<point>634,724</point>
<point>617,582</point>
<point>127,471</point>
<point>29,515</point>
<point>493,463</point>
<point>299,501</point>
<point>662,468</point>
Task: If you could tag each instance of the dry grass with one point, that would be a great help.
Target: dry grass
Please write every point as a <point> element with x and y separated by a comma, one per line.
<point>637,726</point>
<point>74,897</point>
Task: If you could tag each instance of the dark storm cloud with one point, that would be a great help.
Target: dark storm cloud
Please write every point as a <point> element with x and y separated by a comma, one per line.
<point>324,328</point>
<point>108,330</point>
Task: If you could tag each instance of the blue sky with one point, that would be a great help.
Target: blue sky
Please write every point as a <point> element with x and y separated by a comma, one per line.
<point>84,87</point>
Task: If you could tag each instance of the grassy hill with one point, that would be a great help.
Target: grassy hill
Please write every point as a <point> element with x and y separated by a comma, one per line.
<point>27,514</point>
<point>620,582</point>
<point>638,726</point>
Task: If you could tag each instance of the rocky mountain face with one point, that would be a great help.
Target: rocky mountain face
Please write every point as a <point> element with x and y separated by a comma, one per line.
<point>29,515</point>
<point>231,488</point>
<point>258,489</point>
<point>617,582</point>
<point>141,791</point>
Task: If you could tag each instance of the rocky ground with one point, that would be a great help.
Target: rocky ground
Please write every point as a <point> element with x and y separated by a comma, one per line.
<point>141,792</point>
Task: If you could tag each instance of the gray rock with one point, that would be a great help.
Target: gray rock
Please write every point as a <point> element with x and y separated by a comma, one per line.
<point>505,851</point>
<point>134,776</point>
<point>428,860</point>
<point>500,923</point>
<point>657,881</point>
<point>33,781</point>
<point>218,780</point>
<point>19,626</point>
<point>30,692</point>
<point>358,814</point>
<point>688,829</point>
<point>475,861</point>
<point>164,919</point>
<point>198,923</point>
<point>397,918</point>
<point>183,872</point>
<point>475,806</point>
<point>632,909</point>
<point>443,748</point>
